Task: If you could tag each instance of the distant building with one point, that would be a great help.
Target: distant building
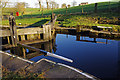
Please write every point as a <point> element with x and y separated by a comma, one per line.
<point>83,3</point>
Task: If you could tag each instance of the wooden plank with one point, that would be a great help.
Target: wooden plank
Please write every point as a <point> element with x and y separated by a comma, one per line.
<point>24,31</point>
<point>22,37</point>
<point>39,36</point>
<point>5,33</point>
<point>49,32</point>
<point>8,39</point>
<point>24,54</point>
<point>33,41</point>
<point>17,38</point>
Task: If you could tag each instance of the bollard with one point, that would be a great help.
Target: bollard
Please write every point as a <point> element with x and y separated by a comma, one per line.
<point>13,30</point>
<point>66,10</point>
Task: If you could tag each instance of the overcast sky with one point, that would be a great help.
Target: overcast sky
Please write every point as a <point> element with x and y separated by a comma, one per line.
<point>32,2</point>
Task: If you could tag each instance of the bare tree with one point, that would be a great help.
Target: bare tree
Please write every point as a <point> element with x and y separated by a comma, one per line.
<point>68,5</point>
<point>47,2</point>
<point>20,7</point>
<point>63,5</point>
<point>54,4</point>
<point>26,5</point>
<point>74,3</point>
<point>57,6</point>
<point>40,4</point>
<point>3,3</point>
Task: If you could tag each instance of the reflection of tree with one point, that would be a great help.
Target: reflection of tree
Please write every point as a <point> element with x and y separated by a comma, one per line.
<point>39,4</point>
<point>54,44</point>
<point>54,48</point>
<point>17,51</point>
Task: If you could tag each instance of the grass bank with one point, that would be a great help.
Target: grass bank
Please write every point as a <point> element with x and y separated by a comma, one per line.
<point>37,22</point>
<point>108,15</point>
<point>21,74</point>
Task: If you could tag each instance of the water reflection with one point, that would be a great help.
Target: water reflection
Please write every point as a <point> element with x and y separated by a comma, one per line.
<point>97,56</point>
<point>119,60</point>
<point>83,38</point>
<point>30,53</point>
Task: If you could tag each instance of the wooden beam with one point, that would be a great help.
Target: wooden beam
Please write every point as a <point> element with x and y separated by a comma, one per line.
<point>24,31</point>
<point>27,31</point>
<point>22,37</point>
<point>8,39</point>
<point>24,54</point>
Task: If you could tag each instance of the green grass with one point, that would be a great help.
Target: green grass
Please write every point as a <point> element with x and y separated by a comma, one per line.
<point>28,21</point>
<point>102,7</point>
<point>77,20</point>
<point>106,10</point>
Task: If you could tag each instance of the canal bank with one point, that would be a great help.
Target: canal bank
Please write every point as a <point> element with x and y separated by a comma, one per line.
<point>48,68</point>
<point>89,32</point>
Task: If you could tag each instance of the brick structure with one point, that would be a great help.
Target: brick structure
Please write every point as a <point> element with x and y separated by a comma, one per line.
<point>84,3</point>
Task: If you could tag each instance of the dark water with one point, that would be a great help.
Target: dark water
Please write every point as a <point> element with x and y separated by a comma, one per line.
<point>98,59</point>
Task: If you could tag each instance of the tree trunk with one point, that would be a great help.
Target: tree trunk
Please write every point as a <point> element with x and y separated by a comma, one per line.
<point>40,5</point>
<point>47,5</point>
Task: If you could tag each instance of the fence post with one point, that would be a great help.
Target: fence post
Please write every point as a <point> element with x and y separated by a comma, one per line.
<point>82,10</point>
<point>13,30</point>
<point>42,11</point>
<point>66,10</point>
<point>96,7</point>
<point>45,32</point>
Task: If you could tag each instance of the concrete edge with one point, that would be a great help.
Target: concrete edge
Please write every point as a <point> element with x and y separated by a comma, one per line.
<point>81,72</point>
<point>45,60</point>
<point>14,56</point>
<point>72,68</point>
<point>60,64</point>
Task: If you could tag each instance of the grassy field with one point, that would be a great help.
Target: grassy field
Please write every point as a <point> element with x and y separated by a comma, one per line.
<point>102,7</point>
<point>37,22</point>
<point>108,14</point>
<point>75,20</point>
